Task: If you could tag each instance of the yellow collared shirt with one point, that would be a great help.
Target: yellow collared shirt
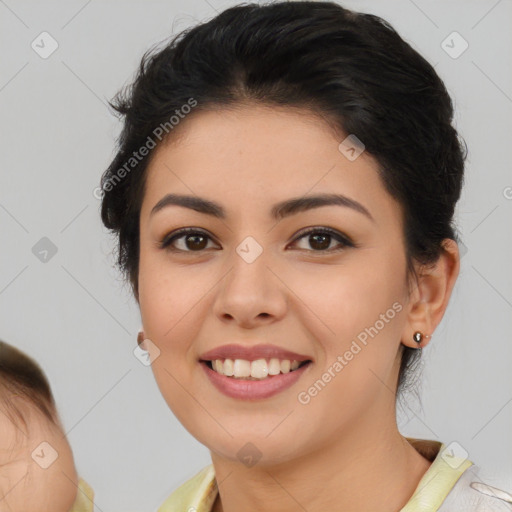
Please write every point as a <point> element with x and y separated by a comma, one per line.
<point>84,501</point>
<point>451,484</point>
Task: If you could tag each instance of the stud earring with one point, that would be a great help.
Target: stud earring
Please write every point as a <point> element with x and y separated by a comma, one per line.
<point>418,338</point>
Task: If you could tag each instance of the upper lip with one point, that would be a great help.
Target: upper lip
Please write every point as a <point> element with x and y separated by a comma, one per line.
<point>253,353</point>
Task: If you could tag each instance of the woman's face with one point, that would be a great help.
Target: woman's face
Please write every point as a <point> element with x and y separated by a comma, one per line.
<point>250,278</point>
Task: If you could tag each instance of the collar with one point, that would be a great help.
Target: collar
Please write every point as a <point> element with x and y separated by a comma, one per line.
<point>84,498</point>
<point>440,478</point>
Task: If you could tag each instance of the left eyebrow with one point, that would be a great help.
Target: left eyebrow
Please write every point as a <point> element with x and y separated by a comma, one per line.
<point>279,211</point>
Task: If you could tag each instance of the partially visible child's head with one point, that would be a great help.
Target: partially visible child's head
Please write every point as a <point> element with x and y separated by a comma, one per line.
<point>37,471</point>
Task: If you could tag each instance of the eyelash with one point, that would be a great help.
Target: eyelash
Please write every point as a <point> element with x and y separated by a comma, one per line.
<point>343,240</point>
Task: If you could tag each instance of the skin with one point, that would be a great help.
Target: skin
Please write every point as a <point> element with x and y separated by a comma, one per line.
<point>24,484</point>
<point>343,450</point>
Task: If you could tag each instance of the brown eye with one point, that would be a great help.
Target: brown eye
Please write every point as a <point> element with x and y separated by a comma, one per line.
<point>320,239</point>
<point>192,240</point>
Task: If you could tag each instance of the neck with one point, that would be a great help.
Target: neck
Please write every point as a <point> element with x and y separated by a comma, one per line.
<point>365,469</point>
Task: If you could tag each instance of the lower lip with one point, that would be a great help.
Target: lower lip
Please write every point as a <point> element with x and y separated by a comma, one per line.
<point>253,389</point>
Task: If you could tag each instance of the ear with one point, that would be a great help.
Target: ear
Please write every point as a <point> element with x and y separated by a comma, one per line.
<point>140,336</point>
<point>431,293</point>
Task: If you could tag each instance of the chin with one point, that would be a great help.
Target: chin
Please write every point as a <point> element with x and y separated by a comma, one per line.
<point>251,450</point>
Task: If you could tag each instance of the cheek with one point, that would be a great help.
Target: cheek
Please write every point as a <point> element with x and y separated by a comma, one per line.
<point>363,318</point>
<point>46,489</point>
<point>59,482</point>
<point>163,294</point>
<point>171,298</point>
<point>174,303</point>
<point>340,302</point>
<point>359,316</point>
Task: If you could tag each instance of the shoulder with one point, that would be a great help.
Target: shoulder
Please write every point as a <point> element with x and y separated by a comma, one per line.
<point>472,493</point>
<point>197,494</point>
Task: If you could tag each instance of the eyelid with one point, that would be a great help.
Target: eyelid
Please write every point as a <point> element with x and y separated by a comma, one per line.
<point>325,229</point>
<point>179,233</point>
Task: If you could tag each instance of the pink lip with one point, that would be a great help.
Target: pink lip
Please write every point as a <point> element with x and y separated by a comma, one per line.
<point>254,389</point>
<point>253,353</point>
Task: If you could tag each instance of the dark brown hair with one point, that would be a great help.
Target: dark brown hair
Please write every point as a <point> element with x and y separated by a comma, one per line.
<point>352,68</point>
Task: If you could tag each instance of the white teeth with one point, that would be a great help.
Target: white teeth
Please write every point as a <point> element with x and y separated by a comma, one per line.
<point>241,368</point>
<point>259,369</point>
<point>218,366</point>
<point>285,366</point>
<point>253,370</point>
<point>228,367</point>
<point>274,367</point>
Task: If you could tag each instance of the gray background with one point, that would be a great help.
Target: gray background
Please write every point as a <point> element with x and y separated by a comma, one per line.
<point>75,317</point>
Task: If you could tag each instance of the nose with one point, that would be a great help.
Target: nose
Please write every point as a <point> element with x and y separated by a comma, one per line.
<point>250,294</point>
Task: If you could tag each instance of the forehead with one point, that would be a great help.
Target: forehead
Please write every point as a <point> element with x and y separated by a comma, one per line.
<point>260,154</point>
<point>20,422</point>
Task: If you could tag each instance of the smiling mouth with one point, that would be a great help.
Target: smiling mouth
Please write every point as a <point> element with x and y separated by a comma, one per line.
<point>259,369</point>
